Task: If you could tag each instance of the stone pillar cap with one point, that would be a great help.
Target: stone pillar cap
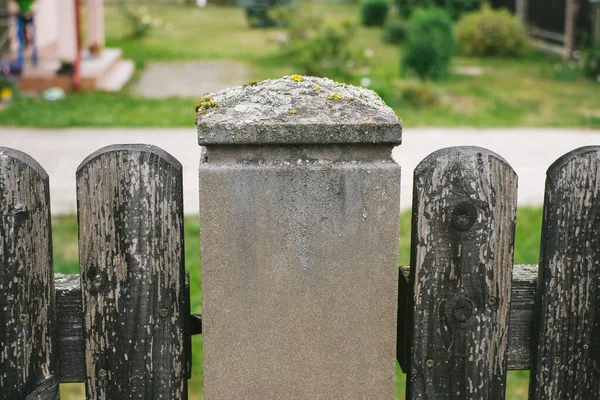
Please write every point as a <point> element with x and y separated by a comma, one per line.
<point>296,110</point>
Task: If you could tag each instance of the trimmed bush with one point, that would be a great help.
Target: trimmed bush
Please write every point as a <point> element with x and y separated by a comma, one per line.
<point>374,12</point>
<point>457,8</point>
<point>394,31</point>
<point>429,43</point>
<point>491,33</point>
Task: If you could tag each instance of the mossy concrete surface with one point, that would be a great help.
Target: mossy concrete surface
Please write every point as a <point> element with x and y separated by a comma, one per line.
<point>299,215</point>
<point>297,110</point>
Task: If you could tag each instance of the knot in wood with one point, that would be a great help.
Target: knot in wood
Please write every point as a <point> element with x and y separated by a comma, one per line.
<point>463,217</point>
<point>462,309</point>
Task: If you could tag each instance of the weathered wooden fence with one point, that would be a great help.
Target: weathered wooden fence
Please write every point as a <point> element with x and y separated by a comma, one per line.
<point>310,312</point>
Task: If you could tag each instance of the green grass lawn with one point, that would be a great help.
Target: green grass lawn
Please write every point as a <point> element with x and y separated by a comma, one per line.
<point>64,231</point>
<point>511,92</point>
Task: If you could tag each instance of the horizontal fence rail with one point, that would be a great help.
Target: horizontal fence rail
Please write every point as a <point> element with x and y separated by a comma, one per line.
<point>465,314</point>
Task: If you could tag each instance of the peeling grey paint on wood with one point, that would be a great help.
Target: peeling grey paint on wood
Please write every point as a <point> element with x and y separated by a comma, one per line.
<point>28,365</point>
<point>461,268</point>
<point>567,348</point>
<point>524,282</point>
<point>130,216</point>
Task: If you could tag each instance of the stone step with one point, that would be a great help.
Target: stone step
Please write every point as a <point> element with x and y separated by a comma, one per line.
<point>94,70</point>
<point>117,77</point>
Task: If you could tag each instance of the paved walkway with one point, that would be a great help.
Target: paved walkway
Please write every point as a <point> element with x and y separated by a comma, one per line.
<point>529,151</point>
<point>190,78</point>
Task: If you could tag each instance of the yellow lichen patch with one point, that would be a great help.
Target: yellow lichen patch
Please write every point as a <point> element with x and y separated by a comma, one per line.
<point>335,96</point>
<point>206,103</point>
<point>368,121</point>
<point>293,111</point>
<point>252,83</point>
<point>296,78</point>
<point>317,87</point>
<point>351,99</point>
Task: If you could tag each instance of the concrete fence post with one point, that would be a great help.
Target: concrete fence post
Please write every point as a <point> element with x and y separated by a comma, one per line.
<point>299,219</point>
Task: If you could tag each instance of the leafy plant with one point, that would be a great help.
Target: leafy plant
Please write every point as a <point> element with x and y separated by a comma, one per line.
<point>429,43</point>
<point>25,5</point>
<point>394,30</point>
<point>418,95</point>
<point>140,22</point>
<point>457,8</point>
<point>374,12</point>
<point>491,32</point>
<point>406,7</point>
<point>258,11</point>
<point>320,48</point>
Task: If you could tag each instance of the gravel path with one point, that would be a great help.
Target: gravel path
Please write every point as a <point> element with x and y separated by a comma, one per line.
<point>529,151</point>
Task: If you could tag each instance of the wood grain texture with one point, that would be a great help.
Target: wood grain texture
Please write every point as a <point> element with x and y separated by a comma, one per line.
<point>28,365</point>
<point>567,352</point>
<point>461,264</point>
<point>69,327</point>
<point>130,215</point>
<point>524,282</point>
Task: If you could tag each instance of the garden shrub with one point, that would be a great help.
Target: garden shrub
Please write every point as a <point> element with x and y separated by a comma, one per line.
<point>457,8</point>
<point>258,11</point>
<point>591,59</point>
<point>429,43</point>
<point>394,31</point>
<point>406,7</point>
<point>374,12</point>
<point>319,48</point>
<point>417,95</point>
<point>491,33</point>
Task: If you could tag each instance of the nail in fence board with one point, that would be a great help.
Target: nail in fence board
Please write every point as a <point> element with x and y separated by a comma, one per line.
<point>130,214</point>
<point>522,300</point>
<point>28,366</point>
<point>567,349</point>
<point>461,265</point>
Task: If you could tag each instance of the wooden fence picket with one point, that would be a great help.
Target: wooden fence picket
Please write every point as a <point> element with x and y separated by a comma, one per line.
<point>566,345</point>
<point>130,212</point>
<point>28,364</point>
<point>461,262</point>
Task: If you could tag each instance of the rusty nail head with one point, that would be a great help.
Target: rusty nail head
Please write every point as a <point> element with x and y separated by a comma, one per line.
<point>102,374</point>
<point>430,363</point>
<point>556,360</point>
<point>463,217</point>
<point>164,312</point>
<point>23,318</point>
<point>492,301</point>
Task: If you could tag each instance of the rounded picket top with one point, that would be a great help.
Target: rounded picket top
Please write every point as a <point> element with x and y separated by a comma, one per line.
<point>458,153</point>
<point>296,110</point>
<point>464,210</point>
<point>8,154</point>
<point>130,217</point>
<point>569,277</point>
<point>27,303</point>
<point>591,152</point>
<point>131,148</point>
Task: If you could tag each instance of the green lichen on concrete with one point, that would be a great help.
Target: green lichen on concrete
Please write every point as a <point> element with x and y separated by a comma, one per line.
<point>205,103</point>
<point>263,112</point>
